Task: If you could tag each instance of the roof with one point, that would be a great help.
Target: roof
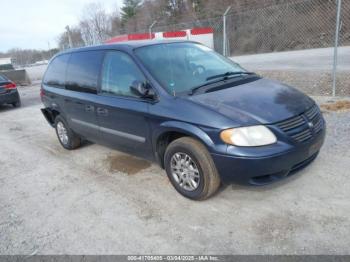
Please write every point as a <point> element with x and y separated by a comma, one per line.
<point>123,45</point>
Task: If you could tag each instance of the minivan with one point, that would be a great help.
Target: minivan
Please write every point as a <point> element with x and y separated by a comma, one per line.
<point>206,120</point>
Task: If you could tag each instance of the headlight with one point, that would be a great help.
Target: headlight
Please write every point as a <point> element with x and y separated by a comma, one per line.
<point>248,136</point>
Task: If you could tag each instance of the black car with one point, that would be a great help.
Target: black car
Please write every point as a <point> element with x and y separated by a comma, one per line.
<point>201,116</point>
<point>8,92</point>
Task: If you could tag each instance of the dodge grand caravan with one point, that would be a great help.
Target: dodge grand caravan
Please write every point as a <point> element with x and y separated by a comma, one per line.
<point>202,117</point>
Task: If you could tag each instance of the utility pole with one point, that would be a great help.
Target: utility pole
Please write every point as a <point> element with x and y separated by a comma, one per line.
<point>224,36</point>
<point>48,45</point>
<point>335,57</point>
<point>69,36</point>
<point>150,29</point>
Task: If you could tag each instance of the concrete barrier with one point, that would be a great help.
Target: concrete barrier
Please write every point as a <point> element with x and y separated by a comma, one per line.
<point>20,77</point>
<point>36,72</point>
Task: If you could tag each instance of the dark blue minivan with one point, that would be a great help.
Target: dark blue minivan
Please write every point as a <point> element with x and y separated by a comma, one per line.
<point>201,116</point>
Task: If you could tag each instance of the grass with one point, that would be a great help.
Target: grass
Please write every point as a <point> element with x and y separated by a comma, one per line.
<point>341,105</point>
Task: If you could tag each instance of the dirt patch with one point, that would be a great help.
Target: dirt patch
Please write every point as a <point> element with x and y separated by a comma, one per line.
<point>341,105</point>
<point>281,229</point>
<point>127,164</point>
<point>16,128</point>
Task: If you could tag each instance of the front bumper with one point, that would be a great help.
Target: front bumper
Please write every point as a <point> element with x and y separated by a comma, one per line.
<point>262,170</point>
<point>9,97</point>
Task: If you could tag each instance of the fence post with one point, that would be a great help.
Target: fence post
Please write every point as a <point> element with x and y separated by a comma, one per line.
<point>150,29</point>
<point>335,57</point>
<point>224,36</point>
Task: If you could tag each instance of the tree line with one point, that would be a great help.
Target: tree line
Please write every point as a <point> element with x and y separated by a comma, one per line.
<point>97,25</point>
<point>24,57</point>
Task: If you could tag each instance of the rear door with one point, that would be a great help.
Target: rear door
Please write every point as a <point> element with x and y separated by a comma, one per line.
<point>81,85</point>
<point>122,115</point>
<point>54,83</point>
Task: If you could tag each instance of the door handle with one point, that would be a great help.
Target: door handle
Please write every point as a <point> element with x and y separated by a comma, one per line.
<point>102,111</point>
<point>89,108</point>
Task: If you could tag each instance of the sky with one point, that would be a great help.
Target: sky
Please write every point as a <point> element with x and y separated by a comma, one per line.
<point>36,24</point>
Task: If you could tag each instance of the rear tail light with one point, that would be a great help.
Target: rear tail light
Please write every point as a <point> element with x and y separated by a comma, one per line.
<point>10,86</point>
<point>42,92</point>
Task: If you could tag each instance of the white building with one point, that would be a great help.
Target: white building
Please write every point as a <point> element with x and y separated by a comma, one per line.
<point>6,61</point>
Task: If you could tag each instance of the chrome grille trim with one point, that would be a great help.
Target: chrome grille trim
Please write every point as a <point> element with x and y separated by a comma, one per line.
<point>291,123</point>
<point>311,113</point>
<point>298,127</point>
<point>318,125</point>
<point>302,136</point>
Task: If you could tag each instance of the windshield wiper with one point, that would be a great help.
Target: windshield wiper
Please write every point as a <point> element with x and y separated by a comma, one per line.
<point>223,76</point>
<point>229,73</point>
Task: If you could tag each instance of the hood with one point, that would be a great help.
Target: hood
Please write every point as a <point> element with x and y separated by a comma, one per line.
<point>263,101</point>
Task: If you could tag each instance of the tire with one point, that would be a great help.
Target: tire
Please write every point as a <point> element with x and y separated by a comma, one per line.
<point>17,104</point>
<point>69,140</point>
<point>199,185</point>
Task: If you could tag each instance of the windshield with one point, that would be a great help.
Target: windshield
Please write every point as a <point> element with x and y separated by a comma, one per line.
<point>180,67</point>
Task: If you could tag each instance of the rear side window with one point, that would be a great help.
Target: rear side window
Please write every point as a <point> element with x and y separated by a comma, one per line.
<point>83,71</point>
<point>56,72</point>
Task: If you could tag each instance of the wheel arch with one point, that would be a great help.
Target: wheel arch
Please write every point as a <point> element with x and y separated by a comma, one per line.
<point>50,115</point>
<point>172,130</point>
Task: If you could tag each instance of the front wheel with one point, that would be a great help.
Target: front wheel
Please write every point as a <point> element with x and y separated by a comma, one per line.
<point>191,169</point>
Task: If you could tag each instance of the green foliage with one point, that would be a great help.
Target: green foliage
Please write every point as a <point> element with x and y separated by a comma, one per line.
<point>129,9</point>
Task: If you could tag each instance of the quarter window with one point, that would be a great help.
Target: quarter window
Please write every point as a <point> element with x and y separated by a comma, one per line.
<point>56,73</point>
<point>119,72</point>
<point>83,71</point>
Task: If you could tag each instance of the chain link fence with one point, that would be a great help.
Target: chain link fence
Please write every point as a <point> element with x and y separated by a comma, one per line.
<point>291,26</point>
<point>292,42</point>
<point>306,25</point>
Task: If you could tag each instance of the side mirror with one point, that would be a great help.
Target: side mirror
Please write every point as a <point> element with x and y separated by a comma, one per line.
<point>142,89</point>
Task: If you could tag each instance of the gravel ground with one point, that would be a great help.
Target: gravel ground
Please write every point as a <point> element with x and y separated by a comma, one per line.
<point>310,70</point>
<point>312,82</point>
<point>54,201</point>
<point>319,59</point>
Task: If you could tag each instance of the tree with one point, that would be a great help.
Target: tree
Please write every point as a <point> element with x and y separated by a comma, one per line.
<point>76,37</point>
<point>95,25</point>
<point>129,9</point>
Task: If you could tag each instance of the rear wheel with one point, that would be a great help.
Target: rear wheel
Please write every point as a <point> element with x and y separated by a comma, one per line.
<point>68,139</point>
<point>191,169</point>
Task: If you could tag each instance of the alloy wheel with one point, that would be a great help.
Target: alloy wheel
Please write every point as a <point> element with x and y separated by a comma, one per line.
<point>62,133</point>
<point>185,171</point>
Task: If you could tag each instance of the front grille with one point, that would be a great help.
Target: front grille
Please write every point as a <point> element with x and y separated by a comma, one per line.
<point>304,126</point>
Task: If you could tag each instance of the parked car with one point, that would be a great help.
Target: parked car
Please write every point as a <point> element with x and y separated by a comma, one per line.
<point>8,92</point>
<point>202,117</point>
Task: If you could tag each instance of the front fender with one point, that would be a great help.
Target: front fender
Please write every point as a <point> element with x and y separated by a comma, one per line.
<point>188,129</point>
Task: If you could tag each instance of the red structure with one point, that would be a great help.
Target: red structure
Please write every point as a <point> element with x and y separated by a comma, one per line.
<point>203,35</point>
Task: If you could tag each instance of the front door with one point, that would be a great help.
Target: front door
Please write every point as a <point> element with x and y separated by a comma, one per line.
<point>122,115</point>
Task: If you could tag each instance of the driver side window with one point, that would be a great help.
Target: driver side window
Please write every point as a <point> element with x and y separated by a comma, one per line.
<point>118,73</point>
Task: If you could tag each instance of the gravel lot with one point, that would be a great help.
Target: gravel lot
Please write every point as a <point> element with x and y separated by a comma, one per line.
<point>309,69</point>
<point>85,201</point>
